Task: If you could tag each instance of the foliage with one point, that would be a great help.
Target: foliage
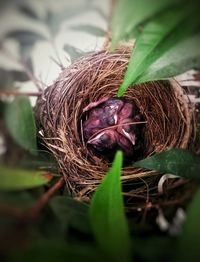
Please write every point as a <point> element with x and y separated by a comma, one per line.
<point>188,245</point>
<point>175,161</point>
<point>107,212</point>
<point>130,13</point>
<point>71,213</point>
<point>66,229</point>
<point>160,48</point>
<point>21,123</point>
<point>16,179</point>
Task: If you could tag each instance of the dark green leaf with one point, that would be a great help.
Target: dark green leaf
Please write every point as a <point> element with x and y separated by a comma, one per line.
<point>108,217</point>
<point>158,36</point>
<point>129,13</point>
<point>71,213</point>
<point>18,179</point>
<point>21,124</point>
<point>180,58</point>
<point>90,29</point>
<point>175,161</point>
<point>56,251</point>
<point>189,240</point>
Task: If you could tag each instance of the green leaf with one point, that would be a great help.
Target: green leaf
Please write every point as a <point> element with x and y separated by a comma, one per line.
<point>180,58</point>
<point>19,179</point>
<point>21,124</point>
<point>71,213</point>
<point>175,161</point>
<point>108,217</point>
<point>90,29</point>
<point>130,13</point>
<point>189,240</point>
<point>56,251</point>
<point>158,36</point>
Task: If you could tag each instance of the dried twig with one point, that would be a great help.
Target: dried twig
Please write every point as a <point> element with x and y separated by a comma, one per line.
<point>33,212</point>
<point>16,93</point>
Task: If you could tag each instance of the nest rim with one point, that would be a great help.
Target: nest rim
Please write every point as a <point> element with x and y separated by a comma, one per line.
<point>60,108</point>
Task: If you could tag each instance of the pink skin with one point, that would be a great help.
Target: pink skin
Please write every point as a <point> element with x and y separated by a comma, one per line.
<point>95,104</point>
<point>112,139</point>
<point>126,111</point>
<point>105,139</point>
<point>109,124</point>
<point>100,118</point>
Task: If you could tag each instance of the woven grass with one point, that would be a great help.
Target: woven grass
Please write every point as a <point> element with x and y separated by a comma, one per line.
<point>165,109</point>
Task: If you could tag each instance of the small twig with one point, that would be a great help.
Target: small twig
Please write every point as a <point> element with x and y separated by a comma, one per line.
<point>33,212</point>
<point>15,93</point>
<point>43,200</point>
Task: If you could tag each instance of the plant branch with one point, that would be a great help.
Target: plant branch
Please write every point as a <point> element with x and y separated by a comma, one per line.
<point>15,93</point>
<point>33,212</point>
<point>43,200</point>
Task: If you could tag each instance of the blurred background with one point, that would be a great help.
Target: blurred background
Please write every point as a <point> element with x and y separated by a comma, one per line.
<point>39,38</point>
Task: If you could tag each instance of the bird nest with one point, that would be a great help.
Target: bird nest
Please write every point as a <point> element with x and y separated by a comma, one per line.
<point>168,123</point>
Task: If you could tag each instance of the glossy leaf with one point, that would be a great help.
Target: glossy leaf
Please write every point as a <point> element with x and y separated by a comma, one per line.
<point>158,36</point>
<point>21,124</point>
<point>130,13</point>
<point>90,29</point>
<point>189,240</point>
<point>108,217</point>
<point>175,161</point>
<point>180,58</point>
<point>19,179</point>
<point>71,213</point>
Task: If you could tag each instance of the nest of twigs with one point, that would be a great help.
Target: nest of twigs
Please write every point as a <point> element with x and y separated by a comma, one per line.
<point>166,111</point>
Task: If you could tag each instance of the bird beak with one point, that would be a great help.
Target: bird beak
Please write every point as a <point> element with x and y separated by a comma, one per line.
<point>130,136</point>
<point>94,140</point>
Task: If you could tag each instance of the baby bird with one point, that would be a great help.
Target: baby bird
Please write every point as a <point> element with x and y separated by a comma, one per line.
<point>111,124</point>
